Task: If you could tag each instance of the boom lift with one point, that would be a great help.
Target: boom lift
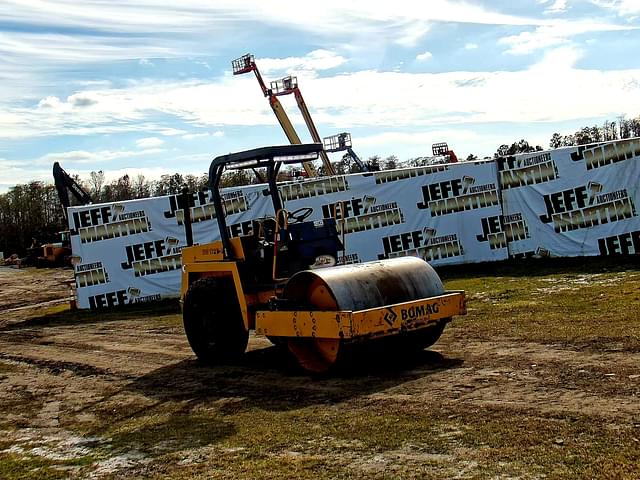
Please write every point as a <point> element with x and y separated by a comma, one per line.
<point>340,143</point>
<point>246,64</point>
<point>442,150</point>
<point>270,282</point>
<point>288,85</point>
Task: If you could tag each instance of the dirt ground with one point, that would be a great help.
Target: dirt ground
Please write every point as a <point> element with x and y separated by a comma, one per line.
<point>540,380</point>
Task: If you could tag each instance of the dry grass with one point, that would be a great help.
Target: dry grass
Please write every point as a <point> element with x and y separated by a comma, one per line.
<point>540,380</point>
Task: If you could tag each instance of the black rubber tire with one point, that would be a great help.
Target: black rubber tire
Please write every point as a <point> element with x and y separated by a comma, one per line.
<point>213,321</point>
<point>424,337</point>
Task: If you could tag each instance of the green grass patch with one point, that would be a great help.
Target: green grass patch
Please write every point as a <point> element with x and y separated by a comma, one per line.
<point>179,431</point>
<point>575,307</point>
<point>19,467</point>
<point>384,439</point>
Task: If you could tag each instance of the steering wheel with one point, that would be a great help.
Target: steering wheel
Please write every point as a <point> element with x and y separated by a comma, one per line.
<point>300,215</point>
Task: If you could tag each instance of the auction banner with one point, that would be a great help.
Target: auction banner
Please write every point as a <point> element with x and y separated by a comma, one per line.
<point>130,251</point>
<point>572,201</point>
<point>429,212</point>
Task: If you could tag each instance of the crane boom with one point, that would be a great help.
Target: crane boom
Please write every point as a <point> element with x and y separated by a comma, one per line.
<point>246,64</point>
<point>65,184</point>
<point>288,85</point>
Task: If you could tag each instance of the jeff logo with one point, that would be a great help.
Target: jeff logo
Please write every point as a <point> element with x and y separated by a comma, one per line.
<point>603,154</point>
<point>585,207</point>
<point>358,214</point>
<point>119,298</point>
<point>153,257</point>
<point>104,223</point>
<point>201,207</point>
<point>526,170</point>
<point>457,195</point>
<point>499,230</point>
<point>90,274</point>
<point>421,243</point>
<point>624,244</point>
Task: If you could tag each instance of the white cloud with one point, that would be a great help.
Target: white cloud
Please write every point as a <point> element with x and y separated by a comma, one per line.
<point>50,102</point>
<point>411,34</point>
<point>50,48</point>
<point>559,33</point>
<point>191,136</point>
<point>14,172</point>
<point>624,8</point>
<point>527,42</point>
<point>424,56</point>
<point>552,90</point>
<point>558,6</point>
<point>80,157</point>
<point>313,61</point>
<point>470,46</point>
<point>122,30</point>
<point>417,144</point>
<point>149,142</point>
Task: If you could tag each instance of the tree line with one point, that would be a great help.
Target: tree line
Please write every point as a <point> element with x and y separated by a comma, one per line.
<point>609,130</point>
<point>33,210</point>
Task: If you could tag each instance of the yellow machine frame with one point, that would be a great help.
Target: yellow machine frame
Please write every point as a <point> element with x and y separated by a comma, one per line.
<point>207,260</point>
<point>266,282</point>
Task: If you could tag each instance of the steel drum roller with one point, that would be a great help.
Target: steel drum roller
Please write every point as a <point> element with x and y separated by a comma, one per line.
<point>355,287</point>
<point>363,286</point>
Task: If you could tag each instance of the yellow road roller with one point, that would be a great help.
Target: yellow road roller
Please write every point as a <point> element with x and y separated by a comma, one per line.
<point>283,281</point>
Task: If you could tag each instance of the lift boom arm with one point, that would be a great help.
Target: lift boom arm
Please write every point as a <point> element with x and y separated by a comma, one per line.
<point>246,64</point>
<point>289,85</point>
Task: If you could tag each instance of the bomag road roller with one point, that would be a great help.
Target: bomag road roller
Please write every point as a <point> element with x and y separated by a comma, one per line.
<point>270,282</point>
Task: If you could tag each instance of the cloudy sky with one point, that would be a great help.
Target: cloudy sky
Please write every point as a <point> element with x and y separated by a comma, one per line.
<point>146,86</point>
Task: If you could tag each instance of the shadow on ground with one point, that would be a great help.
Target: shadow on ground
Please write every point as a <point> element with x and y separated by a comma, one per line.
<point>536,267</point>
<point>269,378</point>
<point>86,317</point>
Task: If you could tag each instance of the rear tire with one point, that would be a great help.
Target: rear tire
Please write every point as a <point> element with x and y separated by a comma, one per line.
<point>213,321</point>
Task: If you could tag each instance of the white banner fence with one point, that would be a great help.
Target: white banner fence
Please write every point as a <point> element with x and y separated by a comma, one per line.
<point>567,202</point>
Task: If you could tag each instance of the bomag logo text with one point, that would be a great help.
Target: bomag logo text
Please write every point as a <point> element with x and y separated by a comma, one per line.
<point>359,214</point>
<point>585,207</point>
<point>421,243</point>
<point>457,195</point>
<point>499,230</point>
<point>603,154</point>
<point>526,170</point>
<point>153,257</point>
<point>419,312</point>
<point>104,223</point>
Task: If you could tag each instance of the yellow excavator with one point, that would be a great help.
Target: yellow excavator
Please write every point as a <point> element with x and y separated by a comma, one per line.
<point>282,281</point>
